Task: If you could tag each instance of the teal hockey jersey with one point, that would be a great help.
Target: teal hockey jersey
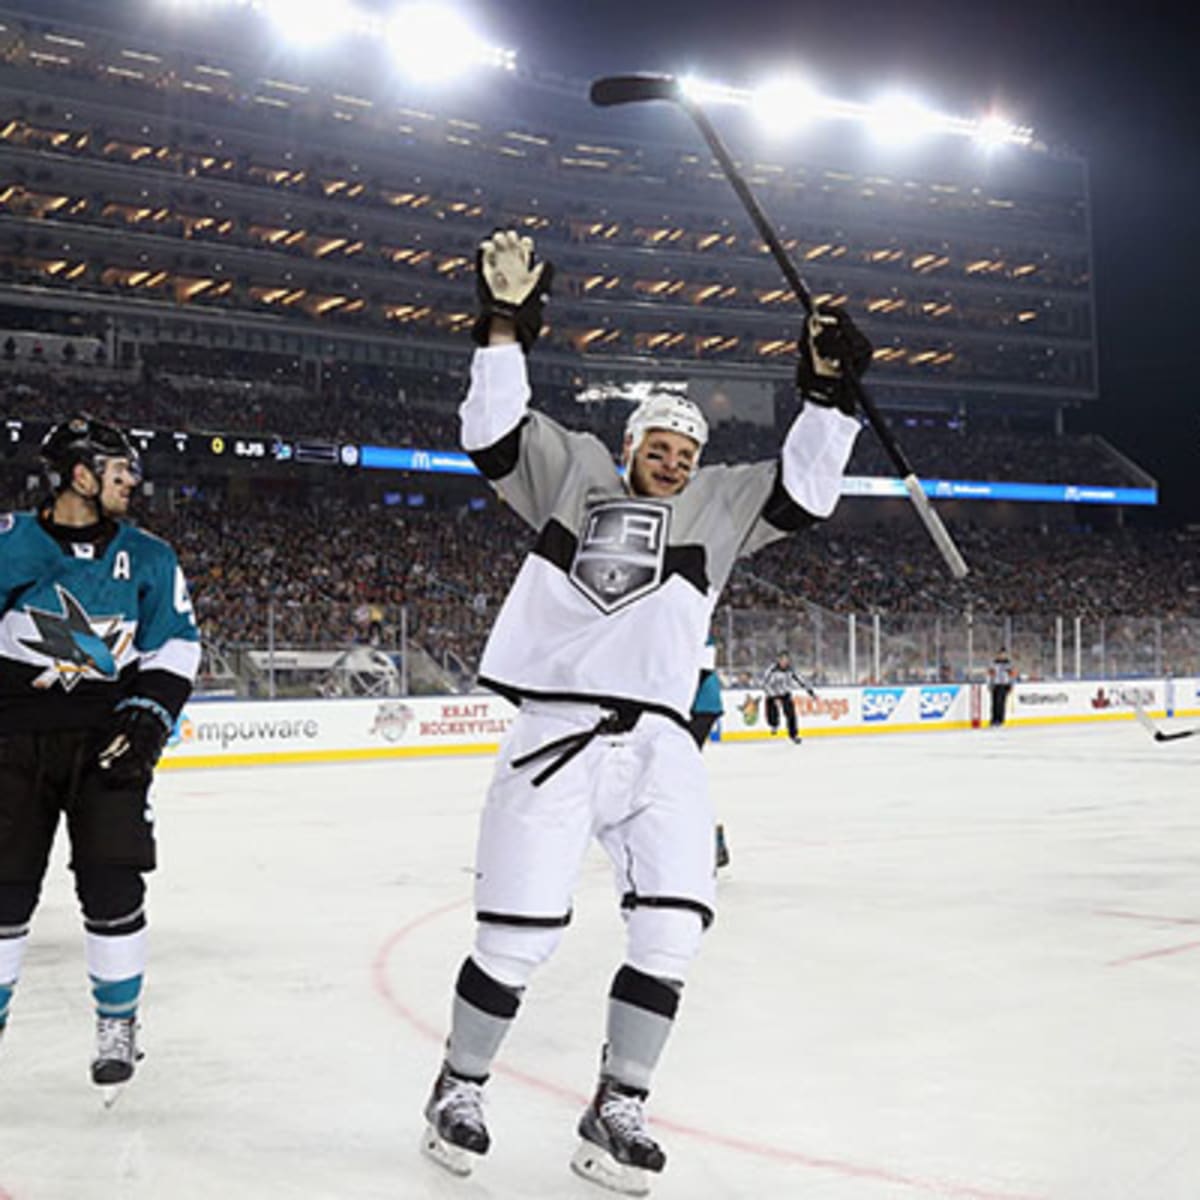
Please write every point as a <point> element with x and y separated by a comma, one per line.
<point>87,618</point>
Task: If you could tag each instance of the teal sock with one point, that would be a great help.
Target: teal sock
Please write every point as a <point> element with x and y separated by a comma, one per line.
<point>116,997</point>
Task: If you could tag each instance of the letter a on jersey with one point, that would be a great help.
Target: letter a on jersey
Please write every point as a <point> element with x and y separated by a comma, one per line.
<point>620,555</point>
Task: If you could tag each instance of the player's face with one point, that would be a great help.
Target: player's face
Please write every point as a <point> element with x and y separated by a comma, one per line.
<point>662,464</point>
<point>117,483</point>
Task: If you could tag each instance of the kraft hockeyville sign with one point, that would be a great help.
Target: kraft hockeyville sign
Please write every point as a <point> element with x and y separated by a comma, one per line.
<point>248,733</point>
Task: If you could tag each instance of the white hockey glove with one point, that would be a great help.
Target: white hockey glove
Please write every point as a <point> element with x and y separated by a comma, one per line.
<point>510,284</point>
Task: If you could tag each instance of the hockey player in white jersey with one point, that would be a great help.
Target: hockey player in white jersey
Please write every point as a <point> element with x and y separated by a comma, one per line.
<point>599,642</point>
<point>98,650</point>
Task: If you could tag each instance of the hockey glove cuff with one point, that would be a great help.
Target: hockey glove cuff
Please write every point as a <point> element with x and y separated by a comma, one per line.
<point>831,345</point>
<point>510,284</point>
<point>133,742</point>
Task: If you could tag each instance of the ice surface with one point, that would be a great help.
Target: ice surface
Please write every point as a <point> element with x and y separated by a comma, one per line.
<point>959,965</point>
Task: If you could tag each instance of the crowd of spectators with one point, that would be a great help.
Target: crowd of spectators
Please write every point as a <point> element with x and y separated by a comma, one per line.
<point>199,391</point>
<point>895,569</point>
<point>332,575</point>
<point>335,571</point>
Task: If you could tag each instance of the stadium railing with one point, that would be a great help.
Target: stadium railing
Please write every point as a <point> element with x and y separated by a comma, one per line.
<point>280,650</point>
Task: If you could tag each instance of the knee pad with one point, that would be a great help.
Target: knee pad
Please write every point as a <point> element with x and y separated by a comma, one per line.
<point>511,953</point>
<point>663,941</point>
<point>111,898</point>
<point>17,902</point>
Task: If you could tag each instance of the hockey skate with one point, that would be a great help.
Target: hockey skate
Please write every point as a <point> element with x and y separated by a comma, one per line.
<point>616,1151</point>
<point>456,1131</point>
<point>722,848</point>
<point>117,1055</point>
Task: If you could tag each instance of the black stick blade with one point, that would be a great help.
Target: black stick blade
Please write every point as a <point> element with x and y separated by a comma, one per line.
<point>633,89</point>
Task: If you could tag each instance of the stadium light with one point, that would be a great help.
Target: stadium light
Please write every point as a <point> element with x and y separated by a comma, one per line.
<point>310,22</point>
<point>433,43</point>
<point>707,93</point>
<point>899,120</point>
<point>994,131</point>
<point>784,105</point>
<point>896,118</point>
<point>428,41</point>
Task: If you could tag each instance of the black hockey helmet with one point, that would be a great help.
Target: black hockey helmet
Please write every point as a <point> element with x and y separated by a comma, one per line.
<point>83,439</point>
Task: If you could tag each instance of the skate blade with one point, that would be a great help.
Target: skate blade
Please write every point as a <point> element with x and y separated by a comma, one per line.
<point>449,1157</point>
<point>110,1093</point>
<point>598,1166</point>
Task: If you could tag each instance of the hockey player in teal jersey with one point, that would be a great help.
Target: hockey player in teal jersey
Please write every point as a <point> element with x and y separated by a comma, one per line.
<point>707,708</point>
<point>98,651</point>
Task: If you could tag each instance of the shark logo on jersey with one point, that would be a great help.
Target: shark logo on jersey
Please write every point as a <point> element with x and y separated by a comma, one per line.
<point>620,555</point>
<point>79,645</point>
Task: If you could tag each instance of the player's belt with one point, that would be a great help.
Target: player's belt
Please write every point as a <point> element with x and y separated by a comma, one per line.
<point>621,719</point>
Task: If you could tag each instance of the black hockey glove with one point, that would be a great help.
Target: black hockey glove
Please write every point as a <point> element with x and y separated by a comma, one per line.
<point>830,341</point>
<point>510,284</point>
<point>131,745</point>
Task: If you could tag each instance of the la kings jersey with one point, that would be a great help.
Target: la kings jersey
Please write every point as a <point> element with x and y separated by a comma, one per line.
<point>84,623</point>
<point>613,603</point>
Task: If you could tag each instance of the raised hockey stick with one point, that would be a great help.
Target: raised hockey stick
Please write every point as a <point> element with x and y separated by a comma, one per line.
<point>1143,719</point>
<point>635,89</point>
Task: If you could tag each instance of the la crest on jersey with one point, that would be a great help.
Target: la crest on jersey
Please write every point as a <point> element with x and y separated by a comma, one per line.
<point>620,555</point>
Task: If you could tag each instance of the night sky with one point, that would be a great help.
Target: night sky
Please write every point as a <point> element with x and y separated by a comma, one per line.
<point>1119,86</point>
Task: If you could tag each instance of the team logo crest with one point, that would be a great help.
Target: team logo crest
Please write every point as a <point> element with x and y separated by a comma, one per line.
<point>749,708</point>
<point>79,646</point>
<point>620,555</point>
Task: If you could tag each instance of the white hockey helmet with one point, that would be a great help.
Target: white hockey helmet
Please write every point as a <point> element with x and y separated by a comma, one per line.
<point>664,410</point>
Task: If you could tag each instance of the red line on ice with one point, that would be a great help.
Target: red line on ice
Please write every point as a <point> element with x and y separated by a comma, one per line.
<point>1157,920</point>
<point>383,986</point>
<point>1169,950</point>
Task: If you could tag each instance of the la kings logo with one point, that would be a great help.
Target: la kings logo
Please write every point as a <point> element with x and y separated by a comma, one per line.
<point>619,558</point>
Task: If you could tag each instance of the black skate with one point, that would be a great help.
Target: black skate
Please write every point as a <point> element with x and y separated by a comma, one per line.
<point>616,1151</point>
<point>117,1055</point>
<point>456,1127</point>
<point>722,848</point>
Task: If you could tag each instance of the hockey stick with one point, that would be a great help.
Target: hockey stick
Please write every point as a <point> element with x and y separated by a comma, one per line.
<point>1143,719</point>
<point>635,89</point>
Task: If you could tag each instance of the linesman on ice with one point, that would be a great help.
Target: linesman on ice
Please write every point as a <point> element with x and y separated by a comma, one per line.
<point>599,642</point>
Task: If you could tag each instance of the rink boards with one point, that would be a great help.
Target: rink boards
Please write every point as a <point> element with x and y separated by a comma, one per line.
<point>247,733</point>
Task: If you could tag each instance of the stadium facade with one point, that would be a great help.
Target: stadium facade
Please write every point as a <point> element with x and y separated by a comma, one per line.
<point>175,185</point>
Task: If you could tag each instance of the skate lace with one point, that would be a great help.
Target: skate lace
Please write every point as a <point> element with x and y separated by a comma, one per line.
<point>624,1117</point>
<point>462,1101</point>
<point>114,1039</point>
